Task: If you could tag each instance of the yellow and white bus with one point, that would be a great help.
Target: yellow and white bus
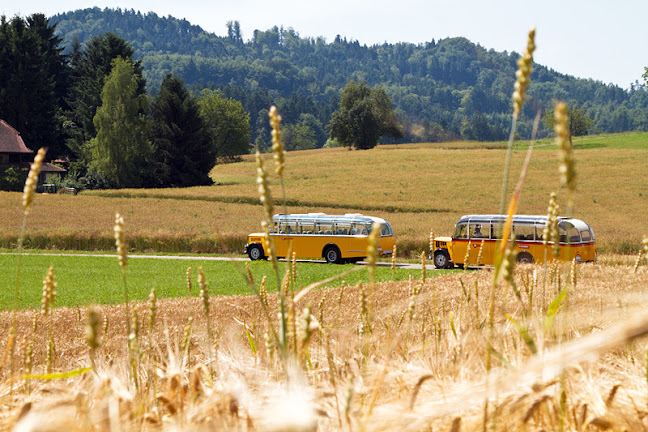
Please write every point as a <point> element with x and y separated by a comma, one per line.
<point>576,240</point>
<point>336,238</point>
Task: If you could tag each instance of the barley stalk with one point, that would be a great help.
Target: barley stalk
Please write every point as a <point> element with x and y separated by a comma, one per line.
<point>294,268</point>
<point>372,250</point>
<point>92,333</point>
<point>249,273</point>
<point>525,64</point>
<point>189,279</point>
<point>120,243</point>
<point>467,256</point>
<point>567,170</point>
<point>479,254</point>
<point>431,242</point>
<point>152,310</point>
<point>423,268</point>
<point>32,180</point>
<point>523,74</point>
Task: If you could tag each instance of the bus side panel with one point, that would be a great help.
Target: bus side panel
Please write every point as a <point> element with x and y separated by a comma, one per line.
<point>387,244</point>
<point>488,251</point>
<point>352,246</point>
<point>586,252</point>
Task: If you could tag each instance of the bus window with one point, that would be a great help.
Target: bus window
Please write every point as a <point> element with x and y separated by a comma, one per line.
<point>460,231</point>
<point>307,227</point>
<point>568,230</point>
<point>342,228</point>
<point>359,229</point>
<point>479,231</point>
<point>386,230</point>
<point>324,228</point>
<point>524,232</point>
<point>586,236</point>
<point>498,229</point>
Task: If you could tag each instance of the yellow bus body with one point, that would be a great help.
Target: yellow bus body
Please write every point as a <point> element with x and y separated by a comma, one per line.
<point>576,241</point>
<point>343,238</point>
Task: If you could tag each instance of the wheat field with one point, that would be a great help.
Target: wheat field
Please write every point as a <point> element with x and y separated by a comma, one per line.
<point>419,363</point>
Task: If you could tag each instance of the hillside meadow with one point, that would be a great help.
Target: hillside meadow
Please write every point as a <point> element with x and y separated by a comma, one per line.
<point>417,187</point>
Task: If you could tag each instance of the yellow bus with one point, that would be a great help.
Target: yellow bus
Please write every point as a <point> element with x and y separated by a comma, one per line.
<point>336,238</point>
<point>576,240</point>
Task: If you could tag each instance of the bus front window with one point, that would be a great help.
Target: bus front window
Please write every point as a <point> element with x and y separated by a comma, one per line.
<point>460,231</point>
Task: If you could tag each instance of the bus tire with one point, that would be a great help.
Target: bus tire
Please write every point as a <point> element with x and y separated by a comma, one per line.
<point>332,254</point>
<point>524,258</point>
<point>442,259</point>
<point>255,252</point>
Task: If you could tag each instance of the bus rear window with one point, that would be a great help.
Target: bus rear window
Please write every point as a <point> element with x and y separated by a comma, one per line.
<point>386,230</point>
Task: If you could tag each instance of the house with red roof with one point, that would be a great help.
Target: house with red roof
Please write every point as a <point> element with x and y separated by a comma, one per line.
<point>14,152</point>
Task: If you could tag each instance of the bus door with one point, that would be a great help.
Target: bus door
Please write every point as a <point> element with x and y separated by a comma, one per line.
<point>283,237</point>
<point>459,243</point>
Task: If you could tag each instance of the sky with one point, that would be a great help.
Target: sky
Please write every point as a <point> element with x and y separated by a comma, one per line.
<point>586,38</point>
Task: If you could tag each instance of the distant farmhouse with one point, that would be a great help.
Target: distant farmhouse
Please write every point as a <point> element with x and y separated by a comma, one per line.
<point>14,153</point>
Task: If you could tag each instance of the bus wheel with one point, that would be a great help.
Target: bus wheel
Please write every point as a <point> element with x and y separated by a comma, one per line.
<point>255,252</point>
<point>332,255</point>
<point>524,258</point>
<point>442,259</point>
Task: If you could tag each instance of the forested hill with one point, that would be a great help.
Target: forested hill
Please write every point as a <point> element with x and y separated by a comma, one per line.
<point>441,89</point>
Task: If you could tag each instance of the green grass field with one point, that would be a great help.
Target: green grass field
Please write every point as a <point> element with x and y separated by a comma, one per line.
<point>84,280</point>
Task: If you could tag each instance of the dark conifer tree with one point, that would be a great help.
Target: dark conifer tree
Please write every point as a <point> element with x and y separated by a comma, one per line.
<point>183,152</point>
<point>33,72</point>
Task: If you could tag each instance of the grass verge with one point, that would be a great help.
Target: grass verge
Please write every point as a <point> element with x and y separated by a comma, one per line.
<point>83,280</point>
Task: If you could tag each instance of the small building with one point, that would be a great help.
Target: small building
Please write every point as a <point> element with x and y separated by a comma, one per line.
<point>14,152</point>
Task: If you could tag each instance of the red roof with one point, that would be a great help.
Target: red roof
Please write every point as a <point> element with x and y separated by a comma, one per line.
<point>48,167</point>
<point>10,140</point>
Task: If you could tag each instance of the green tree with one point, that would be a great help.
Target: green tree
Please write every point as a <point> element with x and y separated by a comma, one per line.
<point>364,115</point>
<point>89,73</point>
<point>299,137</point>
<point>580,123</point>
<point>184,154</point>
<point>228,124</point>
<point>121,150</point>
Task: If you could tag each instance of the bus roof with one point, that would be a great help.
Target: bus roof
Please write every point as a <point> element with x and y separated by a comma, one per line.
<point>323,217</point>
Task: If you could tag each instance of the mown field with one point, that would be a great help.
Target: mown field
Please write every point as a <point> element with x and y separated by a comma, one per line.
<point>417,187</point>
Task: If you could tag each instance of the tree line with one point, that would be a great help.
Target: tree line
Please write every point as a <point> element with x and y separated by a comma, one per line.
<point>90,105</point>
<point>441,90</point>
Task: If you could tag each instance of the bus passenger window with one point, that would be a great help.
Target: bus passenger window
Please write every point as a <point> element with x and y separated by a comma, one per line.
<point>479,231</point>
<point>524,232</point>
<point>342,229</point>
